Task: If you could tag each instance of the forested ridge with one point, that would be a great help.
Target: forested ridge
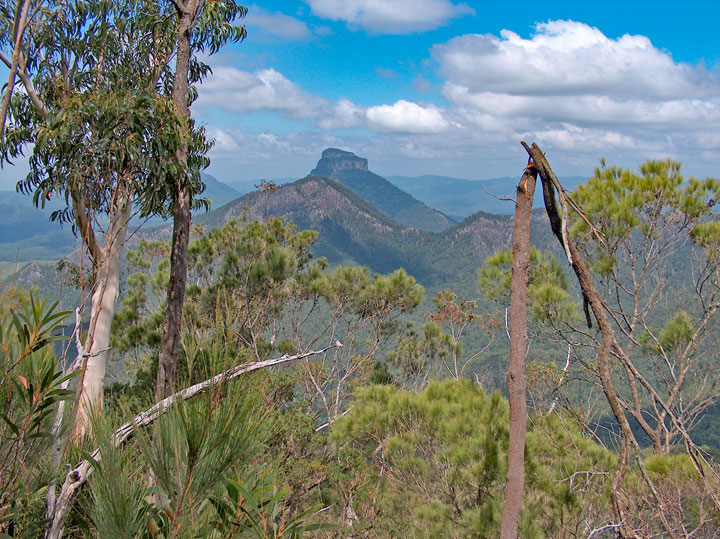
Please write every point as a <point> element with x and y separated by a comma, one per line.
<point>304,361</point>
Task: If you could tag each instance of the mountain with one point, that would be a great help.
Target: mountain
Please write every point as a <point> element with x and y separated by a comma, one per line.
<point>350,228</point>
<point>352,171</point>
<point>333,160</point>
<point>218,192</point>
<point>28,234</point>
<point>460,198</point>
<point>353,231</point>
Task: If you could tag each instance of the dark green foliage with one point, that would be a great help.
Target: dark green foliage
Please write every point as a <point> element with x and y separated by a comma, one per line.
<point>193,448</point>
<point>547,286</point>
<point>136,323</point>
<point>118,489</point>
<point>262,511</point>
<point>30,390</point>
<point>620,203</point>
<point>438,461</point>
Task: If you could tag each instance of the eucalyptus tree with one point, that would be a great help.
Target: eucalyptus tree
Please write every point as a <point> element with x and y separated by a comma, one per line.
<point>199,27</point>
<point>103,136</point>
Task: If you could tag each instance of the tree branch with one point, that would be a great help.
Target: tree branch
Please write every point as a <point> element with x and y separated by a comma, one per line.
<point>592,296</point>
<point>78,476</point>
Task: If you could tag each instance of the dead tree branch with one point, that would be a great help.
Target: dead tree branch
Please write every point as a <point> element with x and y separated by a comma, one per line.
<point>78,476</point>
<point>608,341</point>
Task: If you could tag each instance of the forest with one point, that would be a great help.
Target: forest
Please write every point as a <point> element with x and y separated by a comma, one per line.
<point>261,391</point>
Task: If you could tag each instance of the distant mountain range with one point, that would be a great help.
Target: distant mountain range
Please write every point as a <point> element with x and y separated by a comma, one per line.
<point>361,218</point>
<point>353,231</point>
<point>26,232</point>
<point>459,198</point>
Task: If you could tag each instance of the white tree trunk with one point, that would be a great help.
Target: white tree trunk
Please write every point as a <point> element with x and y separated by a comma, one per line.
<point>90,391</point>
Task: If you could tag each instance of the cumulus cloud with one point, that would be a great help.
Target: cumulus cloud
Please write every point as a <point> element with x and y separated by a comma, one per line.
<point>569,85</point>
<point>570,58</point>
<point>276,24</point>
<point>396,17</point>
<point>344,114</point>
<point>590,110</point>
<point>406,117</point>
<point>241,92</point>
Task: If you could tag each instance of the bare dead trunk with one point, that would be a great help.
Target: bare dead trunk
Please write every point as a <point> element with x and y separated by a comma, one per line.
<point>592,296</point>
<point>515,489</point>
<point>97,343</point>
<point>167,363</point>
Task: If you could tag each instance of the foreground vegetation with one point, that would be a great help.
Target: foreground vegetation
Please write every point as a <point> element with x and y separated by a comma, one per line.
<point>262,392</point>
<point>391,434</point>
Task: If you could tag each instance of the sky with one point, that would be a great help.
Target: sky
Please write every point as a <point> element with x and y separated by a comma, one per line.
<point>450,88</point>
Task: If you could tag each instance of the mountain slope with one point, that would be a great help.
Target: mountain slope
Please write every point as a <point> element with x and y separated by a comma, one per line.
<point>218,192</point>
<point>460,198</point>
<point>352,171</point>
<point>26,232</point>
<point>352,230</point>
<point>395,202</point>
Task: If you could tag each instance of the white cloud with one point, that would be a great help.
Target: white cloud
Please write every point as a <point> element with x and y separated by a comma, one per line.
<point>224,142</point>
<point>241,92</point>
<point>569,82</point>
<point>344,114</point>
<point>406,117</point>
<point>590,110</point>
<point>276,24</point>
<point>391,17</point>
<point>570,58</point>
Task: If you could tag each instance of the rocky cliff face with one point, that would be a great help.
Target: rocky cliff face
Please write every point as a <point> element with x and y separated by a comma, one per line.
<point>334,160</point>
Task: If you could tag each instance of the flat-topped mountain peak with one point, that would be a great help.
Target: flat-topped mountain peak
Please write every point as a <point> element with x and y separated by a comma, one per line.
<point>352,172</point>
<point>334,160</point>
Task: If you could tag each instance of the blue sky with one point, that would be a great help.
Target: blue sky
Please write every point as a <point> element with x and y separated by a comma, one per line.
<point>449,88</point>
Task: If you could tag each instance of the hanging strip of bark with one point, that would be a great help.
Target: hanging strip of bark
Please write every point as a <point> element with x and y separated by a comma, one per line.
<point>78,476</point>
<point>515,489</point>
